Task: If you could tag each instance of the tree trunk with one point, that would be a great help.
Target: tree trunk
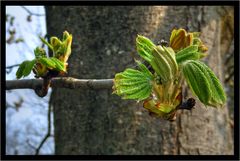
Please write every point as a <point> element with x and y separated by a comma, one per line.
<point>97,122</point>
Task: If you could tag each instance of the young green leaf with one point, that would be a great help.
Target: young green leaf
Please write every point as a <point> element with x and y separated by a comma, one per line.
<point>161,65</point>
<point>25,68</point>
<point>204,83</point>
<point>58,64</point>
<point>56,43</point>
<point>197,81</point>
<point>21,68</point>
<point>67,48</point>
<point>39,69</point>
<point>170,56</point>
<point>218,96</point>
<point>180,39</point>
<point>47,62</point>
<point>159,109</point>
<point>201,47</point>
<point>189,49</point>
<point>28,67</point>
<point>45,42</point>
<point>144,69</point>
<point>133,84</point>
<point>188,53</point>
<point>65,35</point>
<point>145,47</point>
<point>40,52</point>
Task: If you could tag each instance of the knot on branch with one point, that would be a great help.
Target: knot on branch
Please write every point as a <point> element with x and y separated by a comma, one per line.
<point>42,91</point>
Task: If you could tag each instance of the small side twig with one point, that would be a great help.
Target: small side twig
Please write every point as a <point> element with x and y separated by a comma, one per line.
<point>31,13</point>
<point>10,68</point>
<point>30,145</point>
<point>48,131</point>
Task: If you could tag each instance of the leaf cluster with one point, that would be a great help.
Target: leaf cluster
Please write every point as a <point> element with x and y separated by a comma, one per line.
<point>42,64</point>
<point>170,64</point>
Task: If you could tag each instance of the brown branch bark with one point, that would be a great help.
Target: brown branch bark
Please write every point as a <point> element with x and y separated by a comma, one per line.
<point>66,82</point>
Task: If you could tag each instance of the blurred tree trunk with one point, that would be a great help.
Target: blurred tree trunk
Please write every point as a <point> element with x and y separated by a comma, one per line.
<point>97,122</point>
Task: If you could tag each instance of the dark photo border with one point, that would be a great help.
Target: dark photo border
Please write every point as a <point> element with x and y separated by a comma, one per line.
<point>121,157</point>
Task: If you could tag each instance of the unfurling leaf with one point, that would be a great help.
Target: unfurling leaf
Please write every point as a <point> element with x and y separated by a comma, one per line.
<point>45,42</point>
<point>133,84</point>
<point>161,58</point>
<point>188,53</point>
<point>58,64</point>
<point>164,63</point>
<point>56,43</point>
<point>161,89</point>
<point>40,70</point>
<point>197,41</point>
<point>180,39</point>
<point>62,49</point>
<point>145,47</point>
<point>159,109</point>
<point>144,69</point>
<point>40,52</point>
<point>67,43</point>
<point>170,56</point>
<point>47,62</point>
<point>65,35</point>
<point>44,66</point>
<point>161,65</point>
<point>204,83</point>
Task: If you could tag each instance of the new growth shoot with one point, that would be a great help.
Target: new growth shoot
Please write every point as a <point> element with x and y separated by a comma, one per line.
<point>161,90</point>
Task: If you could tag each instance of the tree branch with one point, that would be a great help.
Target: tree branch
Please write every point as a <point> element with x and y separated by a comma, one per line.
<point>61,82</point>
<point>31,13</point>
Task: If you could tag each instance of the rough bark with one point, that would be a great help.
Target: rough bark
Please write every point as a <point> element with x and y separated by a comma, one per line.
<point>97,122</point>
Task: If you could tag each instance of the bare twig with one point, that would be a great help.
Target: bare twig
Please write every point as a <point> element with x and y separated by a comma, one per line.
<point>48,132</point>
<point>30,145</point>
<point>31,13</point>
<point>61,82</point>
<point>10,68</point>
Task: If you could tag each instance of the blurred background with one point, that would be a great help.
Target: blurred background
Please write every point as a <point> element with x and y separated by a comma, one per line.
<point>26,113</point>
<point>97,122</point>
